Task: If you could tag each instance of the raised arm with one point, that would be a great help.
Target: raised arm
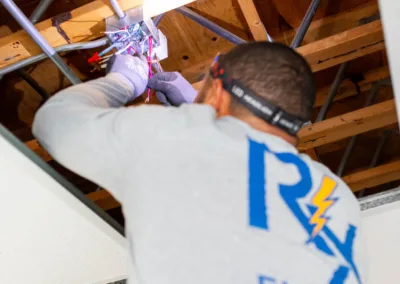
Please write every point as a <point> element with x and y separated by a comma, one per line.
<point>82,127</point>
<point>85,129</point>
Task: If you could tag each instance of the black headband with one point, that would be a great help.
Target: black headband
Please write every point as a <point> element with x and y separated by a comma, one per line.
<point>259,106</point>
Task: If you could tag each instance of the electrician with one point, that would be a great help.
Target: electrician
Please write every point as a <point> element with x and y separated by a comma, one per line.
<point>212,188</point>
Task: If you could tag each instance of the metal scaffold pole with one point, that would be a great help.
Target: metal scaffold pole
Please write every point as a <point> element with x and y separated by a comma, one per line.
<point>305,24</point>
<point>353,140</point>
<point>36,15</point>
<point>62,48</point>
<point>39,11</point>
<point>39,39</point>
<point>210,25</point>
<point>332,92</point>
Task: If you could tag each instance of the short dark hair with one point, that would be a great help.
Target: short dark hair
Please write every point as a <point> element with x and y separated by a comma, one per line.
<point>275,72</point>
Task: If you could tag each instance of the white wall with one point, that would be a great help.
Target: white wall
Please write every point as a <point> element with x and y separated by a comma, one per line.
<point>390,13</point>
<point>46,234</point>
<point>152,8</point>
<point>381,224</point>
<point>381,233</point>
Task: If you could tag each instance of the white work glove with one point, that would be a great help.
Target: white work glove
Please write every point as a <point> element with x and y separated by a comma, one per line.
<point>172,88</point>
<point>133,68</point>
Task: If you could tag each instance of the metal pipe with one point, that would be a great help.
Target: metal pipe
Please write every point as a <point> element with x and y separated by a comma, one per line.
<point>378,151</point>
<point>120,13</point>
<point>62,48</point>
<point>39,39</point>
<point>35,85</point>
<point>350,146</point>
<point>270,38</point>
<point>157,19</point>
<point>305,24</point>
<point>332,92</point>
<point>377,154</point>
<point>35,16</point>
<point>39,11</point>
<point>346,155</point>
<point>301,32</point>
<point>210,25</point>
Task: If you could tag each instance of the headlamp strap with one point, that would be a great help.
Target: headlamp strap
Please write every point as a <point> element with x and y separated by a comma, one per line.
<point>256,104</point>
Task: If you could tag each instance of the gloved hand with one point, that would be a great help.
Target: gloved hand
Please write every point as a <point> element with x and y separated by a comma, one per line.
<point>172,88</point>
<point>134,68</point>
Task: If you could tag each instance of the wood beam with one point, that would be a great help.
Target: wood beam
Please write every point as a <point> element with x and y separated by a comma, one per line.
<point>293,11</point>
<point>348,89</point>
<point>103,199</point>
<point>347,125</point>
<point>253,20</point>
<point>341,144</point>
<point>334,24</point>
<point>82,24</point>
<point>324,53</point>
<point>344,46</point>
<point>373,177</point>
<point>35,147</point>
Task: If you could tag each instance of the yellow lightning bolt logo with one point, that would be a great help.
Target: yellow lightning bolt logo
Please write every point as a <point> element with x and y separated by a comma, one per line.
<point>322,202</point>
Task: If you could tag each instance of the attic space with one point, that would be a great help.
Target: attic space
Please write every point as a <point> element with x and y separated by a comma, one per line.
<point>356,135</point>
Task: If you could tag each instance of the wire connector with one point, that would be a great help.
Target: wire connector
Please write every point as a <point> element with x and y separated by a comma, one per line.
<point>95,58</point>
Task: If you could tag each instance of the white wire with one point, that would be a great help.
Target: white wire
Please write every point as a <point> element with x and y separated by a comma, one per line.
<point>125,48</point>
<point>142,48</point>
<point>114,32</point>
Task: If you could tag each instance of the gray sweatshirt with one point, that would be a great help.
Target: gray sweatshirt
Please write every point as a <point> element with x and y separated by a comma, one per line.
<point>206,200</point>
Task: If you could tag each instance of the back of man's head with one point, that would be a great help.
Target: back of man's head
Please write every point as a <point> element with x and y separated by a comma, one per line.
<point>274,72</point>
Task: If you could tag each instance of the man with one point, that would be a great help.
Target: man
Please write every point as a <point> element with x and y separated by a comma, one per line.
<point>213,192</point>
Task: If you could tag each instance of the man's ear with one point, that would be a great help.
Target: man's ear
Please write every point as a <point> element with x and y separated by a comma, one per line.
<point>220,98</point>
<point>215,95</point>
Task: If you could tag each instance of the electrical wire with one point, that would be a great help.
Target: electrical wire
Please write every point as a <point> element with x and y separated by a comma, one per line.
<point>62,48</point>
<point>149,59</point>
<point>125,48</point>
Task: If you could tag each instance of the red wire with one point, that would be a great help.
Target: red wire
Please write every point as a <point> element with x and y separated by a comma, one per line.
<point>149,58</point>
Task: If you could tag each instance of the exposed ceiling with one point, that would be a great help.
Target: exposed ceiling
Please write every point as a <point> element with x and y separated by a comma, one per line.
<point>345,30</point>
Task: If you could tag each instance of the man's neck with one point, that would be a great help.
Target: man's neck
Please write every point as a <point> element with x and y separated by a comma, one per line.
<point>262,126</point>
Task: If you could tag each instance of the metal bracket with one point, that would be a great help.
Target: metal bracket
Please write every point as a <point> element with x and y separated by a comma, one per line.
<point>132,17</point>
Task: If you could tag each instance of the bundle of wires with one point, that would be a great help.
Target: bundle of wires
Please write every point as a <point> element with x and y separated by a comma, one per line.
<point>149,61</point>
<point>129,40</point>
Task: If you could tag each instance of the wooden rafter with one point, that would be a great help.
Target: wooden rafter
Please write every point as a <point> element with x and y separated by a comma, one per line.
<point>373,177</point>
<point>347,125</point>
<point>324,53</point>
<point>335,24</point>
<point>341,144</point>
<point>35,147</point>
<point>82,24</point>
<point>344,46</point>
<point>253,20</point>
<point>103,199</point>
<point>348,88</point>
<point>335,39</point>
